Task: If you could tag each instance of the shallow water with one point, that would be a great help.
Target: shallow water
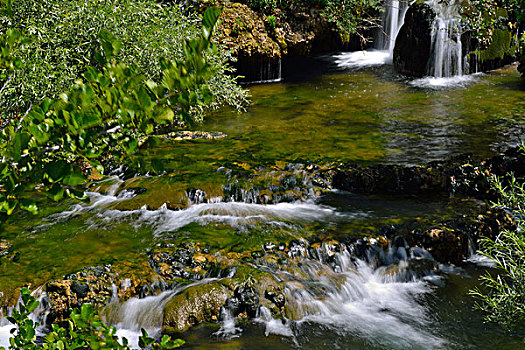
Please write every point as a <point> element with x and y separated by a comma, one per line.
<point>349,109</point>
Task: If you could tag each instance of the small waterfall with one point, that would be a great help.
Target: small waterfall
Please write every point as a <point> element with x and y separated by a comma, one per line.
<point>228,328</point>
<point>256,69</point>
<point>375,298</point>
<point>446,58</point>
<point>393,19</point>
<point>148,313</point>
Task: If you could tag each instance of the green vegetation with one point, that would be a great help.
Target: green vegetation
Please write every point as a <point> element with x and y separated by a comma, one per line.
<point>353,16</point>
<point>85,330</point>
<point>271,21</point>
<point>101,117</point>
<point>494,24</point>
<point>502,295</point>
<point>62,36</point>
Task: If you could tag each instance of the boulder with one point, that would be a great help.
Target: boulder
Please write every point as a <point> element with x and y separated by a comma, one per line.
<point>195,305</point>
<point>413,43</point>
<point>498,53</point>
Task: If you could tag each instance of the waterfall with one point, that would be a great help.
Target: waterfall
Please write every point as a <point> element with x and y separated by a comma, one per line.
<point>393,19</point>
<point>256,70</point>
<point>446,57</point>
<point>353,296</point>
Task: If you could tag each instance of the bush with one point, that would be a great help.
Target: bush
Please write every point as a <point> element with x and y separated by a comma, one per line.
<point>63,36</point>
<point>353,16</point>
<point>85,331</point>
<point>502,294</point>
<point>102,116</point>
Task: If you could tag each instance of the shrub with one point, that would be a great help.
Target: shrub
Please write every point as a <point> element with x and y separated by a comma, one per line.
<point>63,36</point>
<point>103,115</point>
<point>85,330</point>
<point>271,21</point>
<point>353,16</point>
<point>502,294</point>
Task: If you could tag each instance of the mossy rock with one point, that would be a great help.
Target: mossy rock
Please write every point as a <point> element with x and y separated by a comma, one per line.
<point>195,305</point>
<point>499,47</point>
<point>243,32</point>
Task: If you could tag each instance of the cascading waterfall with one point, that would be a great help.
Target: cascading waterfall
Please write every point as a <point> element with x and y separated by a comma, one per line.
<point>360,297</point>
<point>446,58</point>
<point>393,19</point>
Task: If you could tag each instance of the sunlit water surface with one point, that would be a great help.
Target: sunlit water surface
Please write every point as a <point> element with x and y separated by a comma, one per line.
<point>352,107</point>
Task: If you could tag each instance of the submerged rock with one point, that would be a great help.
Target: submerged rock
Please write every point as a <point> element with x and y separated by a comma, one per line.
<point>461,175</point>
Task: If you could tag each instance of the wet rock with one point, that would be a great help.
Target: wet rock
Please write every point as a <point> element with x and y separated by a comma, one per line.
<point>98,285</point>
<point>461,175</point>
<point>80,289</point>
<point>245,300</point>
<point>391,179</point>
<point>187,261</point>
<point>413,43</point>
<point>91,285</point>
<point>7,254</point>
<point>5,248</point>
<point>499,52</point>
<point>195,305</point>
<point>196,196</point>
<point>448,241</point>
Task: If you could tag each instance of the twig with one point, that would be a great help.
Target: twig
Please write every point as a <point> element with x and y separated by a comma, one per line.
<point>7,82</point>
<point>25,114</point>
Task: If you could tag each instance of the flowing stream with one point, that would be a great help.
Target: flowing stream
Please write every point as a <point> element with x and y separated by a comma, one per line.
<point>356,109</point>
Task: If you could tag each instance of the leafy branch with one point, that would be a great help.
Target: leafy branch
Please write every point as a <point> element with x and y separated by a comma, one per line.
<point>50,147</point>
<point>85,330</point>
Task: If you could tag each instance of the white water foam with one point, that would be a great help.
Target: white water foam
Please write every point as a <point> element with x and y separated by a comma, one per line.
<point>481,260</point>
<point>235,214</point>
<point>378,305</point>
<point>229,329</point>
<point>447,51</point>
<point>148,313</point>
<point>393,19</point>
<point>363,59</point>
<point>5,332</point>
<point>458,81</point>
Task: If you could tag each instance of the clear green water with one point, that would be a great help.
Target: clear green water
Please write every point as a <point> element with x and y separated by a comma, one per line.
<point>364,116</point>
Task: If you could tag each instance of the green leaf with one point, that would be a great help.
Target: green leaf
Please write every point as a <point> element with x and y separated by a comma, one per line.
<point>144,98</point>
<point>165,114</point>
<point>77,194</point>
<point>10,205</point>
<point>58,170</point>
<point>75,178</point>
<point>29,205</point>
<point>96,165</point>
<point>86,312</point>
<point>210,17</point>
<point>56,192</point>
